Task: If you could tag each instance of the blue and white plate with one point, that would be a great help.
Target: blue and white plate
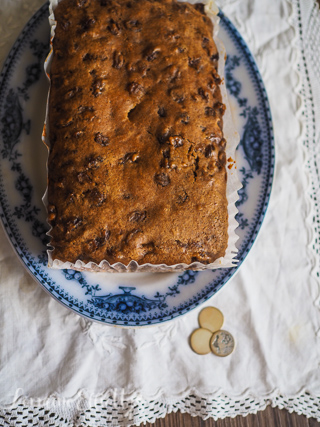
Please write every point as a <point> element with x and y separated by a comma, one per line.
<point>135,299</point>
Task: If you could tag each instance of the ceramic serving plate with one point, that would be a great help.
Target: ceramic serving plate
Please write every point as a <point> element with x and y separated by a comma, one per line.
<point>135,299</point>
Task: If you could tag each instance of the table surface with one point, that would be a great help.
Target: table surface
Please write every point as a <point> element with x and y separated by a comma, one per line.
<point>270,417</point>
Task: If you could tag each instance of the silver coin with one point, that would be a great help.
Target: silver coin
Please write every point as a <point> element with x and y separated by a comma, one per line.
<point>222,343</point>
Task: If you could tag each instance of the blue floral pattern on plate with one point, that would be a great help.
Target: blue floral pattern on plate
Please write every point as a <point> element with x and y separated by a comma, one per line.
<point>135,299</point>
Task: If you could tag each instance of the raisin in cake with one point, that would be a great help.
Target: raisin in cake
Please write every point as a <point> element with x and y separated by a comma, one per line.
<point>137,164</point>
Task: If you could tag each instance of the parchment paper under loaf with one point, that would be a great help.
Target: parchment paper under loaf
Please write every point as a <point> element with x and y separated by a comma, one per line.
<point>233,183</point>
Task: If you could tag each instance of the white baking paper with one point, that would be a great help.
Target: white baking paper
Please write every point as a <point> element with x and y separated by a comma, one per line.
<point>233,183</point>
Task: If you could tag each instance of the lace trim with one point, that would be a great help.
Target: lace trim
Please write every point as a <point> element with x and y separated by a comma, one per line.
<point>116,411</point>
<point>311,52</point>
<point>308,43</point>
<point>312,41</point>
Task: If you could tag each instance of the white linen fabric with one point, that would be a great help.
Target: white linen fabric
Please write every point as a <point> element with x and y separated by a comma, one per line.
<point>59,369</point>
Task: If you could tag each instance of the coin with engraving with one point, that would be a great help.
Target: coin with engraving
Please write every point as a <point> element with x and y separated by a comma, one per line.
<point>222,343</point>
<point>200,341</point>
<point>211,318</point>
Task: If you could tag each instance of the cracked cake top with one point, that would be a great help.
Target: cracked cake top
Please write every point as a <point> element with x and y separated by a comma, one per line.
<point>137,164</point>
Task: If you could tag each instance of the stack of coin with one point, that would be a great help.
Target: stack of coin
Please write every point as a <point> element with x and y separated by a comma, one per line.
<point>210,337</point>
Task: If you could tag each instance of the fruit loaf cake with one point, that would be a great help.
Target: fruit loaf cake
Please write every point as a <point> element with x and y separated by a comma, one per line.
<point>137,163</point>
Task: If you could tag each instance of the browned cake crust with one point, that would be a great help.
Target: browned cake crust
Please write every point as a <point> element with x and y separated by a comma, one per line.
<point>137,165</point>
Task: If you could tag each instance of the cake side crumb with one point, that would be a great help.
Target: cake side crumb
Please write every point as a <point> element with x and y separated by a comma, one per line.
<point>137,159</point>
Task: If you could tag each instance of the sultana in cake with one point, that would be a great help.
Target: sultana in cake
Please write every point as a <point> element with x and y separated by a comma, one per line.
<point>137,163</point>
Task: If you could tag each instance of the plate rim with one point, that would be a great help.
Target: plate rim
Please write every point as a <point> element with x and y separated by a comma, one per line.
<point>21,249</point>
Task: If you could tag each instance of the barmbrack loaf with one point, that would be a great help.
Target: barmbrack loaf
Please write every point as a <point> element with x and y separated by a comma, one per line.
<point>137,162</point>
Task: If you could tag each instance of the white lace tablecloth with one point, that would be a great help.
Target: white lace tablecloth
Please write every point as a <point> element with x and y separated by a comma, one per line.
<point>58,369</point>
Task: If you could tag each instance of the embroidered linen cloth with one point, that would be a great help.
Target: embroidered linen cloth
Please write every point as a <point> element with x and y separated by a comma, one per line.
<point>59,369</point>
